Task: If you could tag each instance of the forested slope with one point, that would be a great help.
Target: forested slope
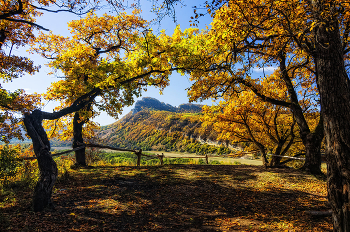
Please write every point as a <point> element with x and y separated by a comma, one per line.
<point>163,131</point>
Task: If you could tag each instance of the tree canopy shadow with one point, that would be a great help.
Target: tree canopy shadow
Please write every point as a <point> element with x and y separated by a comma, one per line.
<point>171,198</point>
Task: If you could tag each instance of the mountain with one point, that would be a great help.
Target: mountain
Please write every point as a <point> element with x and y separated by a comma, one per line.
<point>154,125</point>
<point>154,104</point>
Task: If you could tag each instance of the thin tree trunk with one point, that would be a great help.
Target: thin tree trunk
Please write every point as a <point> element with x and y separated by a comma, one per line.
<point>333,85</point>
<point>47,166</point>
<point>78,139</point>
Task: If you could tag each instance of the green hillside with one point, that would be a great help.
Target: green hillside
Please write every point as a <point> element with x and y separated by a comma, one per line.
<point>161,131</point>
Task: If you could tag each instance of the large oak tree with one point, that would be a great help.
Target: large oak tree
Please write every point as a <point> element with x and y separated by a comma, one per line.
<point>116,54</point>
<point>244,118</point>
<point>317,33</point>
<point>17,22</point>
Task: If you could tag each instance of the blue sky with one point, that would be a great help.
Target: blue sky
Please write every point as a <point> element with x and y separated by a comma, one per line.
<point>175,94</point>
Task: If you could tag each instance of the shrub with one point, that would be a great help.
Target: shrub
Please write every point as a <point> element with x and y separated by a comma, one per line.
<point>214,162</point>
<point>93,155</point>
<point>9,161</point>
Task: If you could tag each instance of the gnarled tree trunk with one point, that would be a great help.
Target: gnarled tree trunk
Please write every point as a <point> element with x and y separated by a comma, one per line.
<point>275,160</point>
<point>47,166</point>
<point>78,139</point>
<point>41,144</point>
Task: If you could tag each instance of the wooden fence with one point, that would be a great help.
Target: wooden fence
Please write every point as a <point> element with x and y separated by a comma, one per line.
<point>160,157</point>
<point>137,153</point>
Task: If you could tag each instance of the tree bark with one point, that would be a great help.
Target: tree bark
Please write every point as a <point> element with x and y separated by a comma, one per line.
<point>263,154</point>
<point>47,166</point>
<point>311,140</point>
<point>275,161</point>
<point>333,85</point>
<point>312,143</point>
<point>78,139</point>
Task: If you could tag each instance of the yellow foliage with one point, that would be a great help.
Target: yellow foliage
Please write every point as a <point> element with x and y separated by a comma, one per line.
<point>243,117</point>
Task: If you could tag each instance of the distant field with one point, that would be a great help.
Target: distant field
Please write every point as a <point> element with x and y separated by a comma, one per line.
<point>221,159</point>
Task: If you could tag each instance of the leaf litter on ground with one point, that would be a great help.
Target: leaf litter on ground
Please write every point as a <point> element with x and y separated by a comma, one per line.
<point>176,198</point>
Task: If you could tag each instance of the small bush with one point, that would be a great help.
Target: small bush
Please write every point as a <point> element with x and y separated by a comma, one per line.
<point>93,156</point>
<point>201,161</point>
<point>178,161</point>
<point>9,162</point>
<point>214,162</point>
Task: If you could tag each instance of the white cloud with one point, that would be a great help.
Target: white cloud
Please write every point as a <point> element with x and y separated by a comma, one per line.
<point>269,69</point>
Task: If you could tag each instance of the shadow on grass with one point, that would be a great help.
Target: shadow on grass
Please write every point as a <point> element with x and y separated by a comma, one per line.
<point>170,198</point>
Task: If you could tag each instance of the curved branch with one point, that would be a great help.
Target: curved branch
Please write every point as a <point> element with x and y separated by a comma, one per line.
<point>78,104</point>
<point>57,11</point>
<point>262,96</point>
<point>27,22</point>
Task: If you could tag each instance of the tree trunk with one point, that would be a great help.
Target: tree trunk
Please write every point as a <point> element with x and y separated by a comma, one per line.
<point>333,85</point>
<point>264,160</point>
<point>263,154</point>
<point>47,166</point>
<point>276,160</point>
<point>311,141</point>
<point>78,140</point>
<point>313,161</point>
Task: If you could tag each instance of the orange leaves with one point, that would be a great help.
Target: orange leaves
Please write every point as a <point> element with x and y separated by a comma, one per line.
<point>12,104</point>
<point>244,117</point>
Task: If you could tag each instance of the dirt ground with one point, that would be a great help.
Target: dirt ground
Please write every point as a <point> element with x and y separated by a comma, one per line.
<point>175,198</point>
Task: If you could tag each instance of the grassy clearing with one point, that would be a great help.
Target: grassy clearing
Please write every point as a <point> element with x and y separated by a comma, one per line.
<point>220,159</point>
<point>181,197</point>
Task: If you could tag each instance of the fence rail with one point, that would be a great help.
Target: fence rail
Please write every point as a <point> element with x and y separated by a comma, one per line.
<point>289,157</point>
<point>160,157</point>
<point>138,153</point>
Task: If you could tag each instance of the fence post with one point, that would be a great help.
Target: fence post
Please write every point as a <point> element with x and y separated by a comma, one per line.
<point>161,158</point>
<point>206,159</point>
<point>139,157</point>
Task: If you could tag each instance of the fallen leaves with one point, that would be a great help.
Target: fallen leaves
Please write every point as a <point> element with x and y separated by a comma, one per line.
<point>178,198</point>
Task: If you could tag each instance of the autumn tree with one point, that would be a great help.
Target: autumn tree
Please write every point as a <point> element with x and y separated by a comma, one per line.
<point>16,29</point>
<point>317,34</point>
<point>17,22</point>
<point>225,56</point>
<point>116,54</point>
<point>244,117</point>
<point>17,26</point>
